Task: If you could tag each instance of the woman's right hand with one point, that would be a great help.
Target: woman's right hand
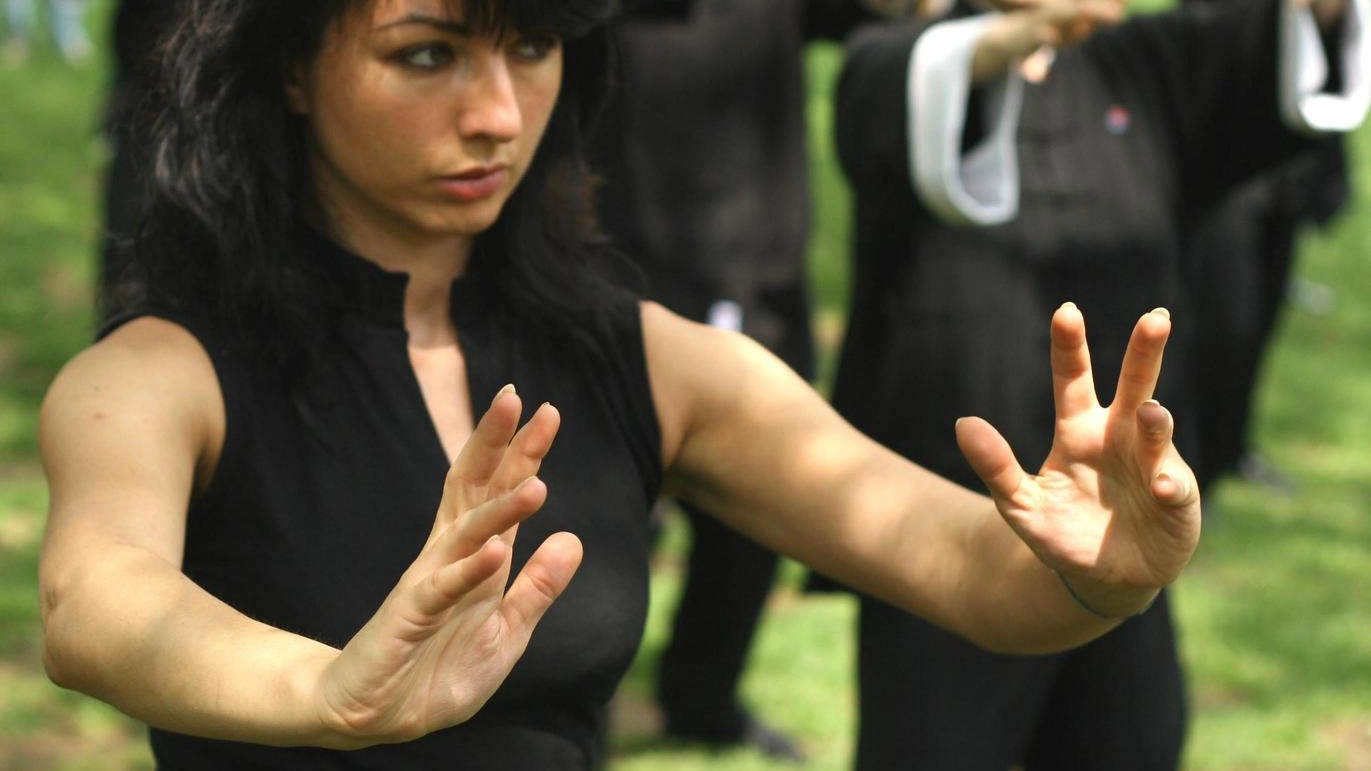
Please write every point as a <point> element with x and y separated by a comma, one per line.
<point>449,633</point>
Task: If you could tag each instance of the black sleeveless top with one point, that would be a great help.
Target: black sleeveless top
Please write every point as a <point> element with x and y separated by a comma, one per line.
<point>323,497</point>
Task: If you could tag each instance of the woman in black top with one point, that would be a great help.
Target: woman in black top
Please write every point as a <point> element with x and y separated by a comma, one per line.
<point>369,215</point>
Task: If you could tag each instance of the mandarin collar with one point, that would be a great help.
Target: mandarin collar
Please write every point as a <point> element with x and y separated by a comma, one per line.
<point>357,285</point>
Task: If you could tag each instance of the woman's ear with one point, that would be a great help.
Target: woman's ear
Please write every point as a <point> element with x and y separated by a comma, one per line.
<point>296,84</point>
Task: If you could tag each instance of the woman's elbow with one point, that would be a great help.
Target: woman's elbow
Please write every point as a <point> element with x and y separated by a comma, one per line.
<point>56,654</point>
<point>59,608</point>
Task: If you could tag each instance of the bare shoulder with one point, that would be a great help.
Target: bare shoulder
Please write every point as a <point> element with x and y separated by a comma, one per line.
<point>148,387</point>
<point>703,376</point>
<point>678,350</point>
<point>657,320</point>
<point>146,361</point>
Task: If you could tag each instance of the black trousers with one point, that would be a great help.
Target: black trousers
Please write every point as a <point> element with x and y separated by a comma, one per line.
<point>931,701</point>
<point>727,582</point>
<point>1244,255</point>
<point>1242,258</point>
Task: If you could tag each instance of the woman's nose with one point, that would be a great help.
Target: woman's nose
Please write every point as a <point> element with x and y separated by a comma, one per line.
<point>490,104</point>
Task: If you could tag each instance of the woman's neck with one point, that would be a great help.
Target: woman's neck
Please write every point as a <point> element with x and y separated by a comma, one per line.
<point>432,264</point>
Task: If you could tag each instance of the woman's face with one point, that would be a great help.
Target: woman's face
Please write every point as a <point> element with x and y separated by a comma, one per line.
<point>419,126</point>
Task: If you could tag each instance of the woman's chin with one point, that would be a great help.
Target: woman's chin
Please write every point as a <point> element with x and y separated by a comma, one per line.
<point>471,222</point>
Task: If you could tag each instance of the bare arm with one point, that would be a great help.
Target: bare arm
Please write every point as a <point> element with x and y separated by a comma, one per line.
<point>748,440</point>
<point>129,430</point>
<point>122,452</point>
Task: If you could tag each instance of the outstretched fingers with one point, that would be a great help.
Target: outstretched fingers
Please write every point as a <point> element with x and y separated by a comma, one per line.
<point>472,551</point>
<point>1073,385</point>
<point>483,452</point>
<point>446,585</point>
<point>1142,362</point>
<point>496,517</point>
<point>496,459</point>
<point>525,455</point>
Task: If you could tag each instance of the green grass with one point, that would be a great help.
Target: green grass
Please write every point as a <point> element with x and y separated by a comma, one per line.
<point>1273,613</point>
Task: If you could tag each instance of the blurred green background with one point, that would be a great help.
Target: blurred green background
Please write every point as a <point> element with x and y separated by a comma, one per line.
<point>1274,615</point>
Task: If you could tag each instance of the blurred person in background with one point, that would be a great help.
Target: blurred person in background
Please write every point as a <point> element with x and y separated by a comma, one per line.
<point>1243,260</point>
<point>997,166</point>
<point>706,188</point>
<point>66,20</point>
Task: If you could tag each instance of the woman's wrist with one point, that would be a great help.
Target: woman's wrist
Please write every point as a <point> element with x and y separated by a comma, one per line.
<point>1111,602</point>
<point>330,726</point>
<point>306,719</point>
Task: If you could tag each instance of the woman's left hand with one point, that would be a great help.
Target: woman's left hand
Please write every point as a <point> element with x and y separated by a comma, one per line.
<point>1114,509</point>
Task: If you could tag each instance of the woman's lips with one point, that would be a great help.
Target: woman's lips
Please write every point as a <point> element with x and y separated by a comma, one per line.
<point>474,185</point>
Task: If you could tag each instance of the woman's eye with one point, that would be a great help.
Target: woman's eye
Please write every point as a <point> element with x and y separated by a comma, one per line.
<point>535,47</point>
<point>427,57</point>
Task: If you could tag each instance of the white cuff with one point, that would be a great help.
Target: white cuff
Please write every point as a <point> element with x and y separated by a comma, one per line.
<point>981,187</point>
<point>1304,71</point>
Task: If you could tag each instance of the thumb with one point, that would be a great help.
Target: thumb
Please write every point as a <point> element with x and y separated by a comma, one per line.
<point>990,457</point>
<point>544,577</point>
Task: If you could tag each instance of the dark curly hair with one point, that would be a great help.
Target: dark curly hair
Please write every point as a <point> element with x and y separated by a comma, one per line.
<point>230,191</point>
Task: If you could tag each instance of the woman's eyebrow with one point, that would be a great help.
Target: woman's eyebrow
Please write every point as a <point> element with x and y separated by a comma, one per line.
<point>446,25</point>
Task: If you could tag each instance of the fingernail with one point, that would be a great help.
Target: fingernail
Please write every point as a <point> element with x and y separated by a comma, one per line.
<point>1162,312</point>
<point>958,423</point>
<point>1067,304</point>
<point>509,389</point>
<point>1153,401</point>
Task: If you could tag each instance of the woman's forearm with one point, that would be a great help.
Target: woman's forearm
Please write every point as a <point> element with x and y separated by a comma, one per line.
<point>130,629</point>
<point>944,552</point>
<point>874,521</point>
<point>1012,602</point>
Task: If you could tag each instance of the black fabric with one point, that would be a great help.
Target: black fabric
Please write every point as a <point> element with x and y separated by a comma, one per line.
<point>705,160</point>
<point>659,9</point>
<point>325,493</point>
<point>1099,693</point>
<point>1242,258</point>
<point>703,154</point>
<point>1134,134</point>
